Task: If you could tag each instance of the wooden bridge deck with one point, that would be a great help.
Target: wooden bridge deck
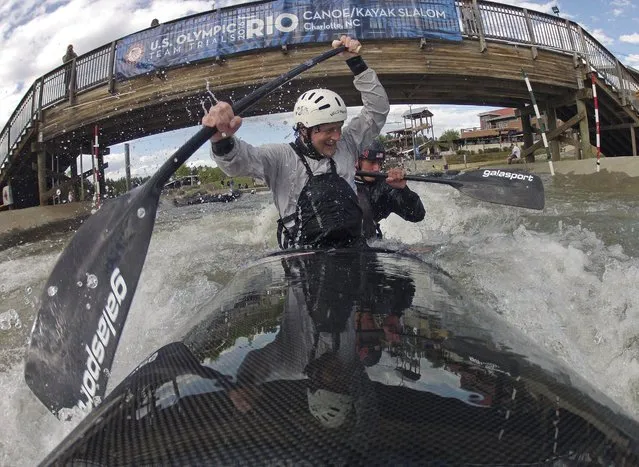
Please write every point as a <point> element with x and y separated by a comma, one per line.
<point>440,72</point>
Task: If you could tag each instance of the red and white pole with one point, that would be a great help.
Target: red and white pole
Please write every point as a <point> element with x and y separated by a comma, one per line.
<point>594,96</point>
<point>96,169</point>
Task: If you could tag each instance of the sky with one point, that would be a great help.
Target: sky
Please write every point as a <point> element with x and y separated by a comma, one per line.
<point>34,36</point>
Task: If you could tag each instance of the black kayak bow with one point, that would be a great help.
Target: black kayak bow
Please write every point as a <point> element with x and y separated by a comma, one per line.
<point>495,186</point>
<point>89,292</point>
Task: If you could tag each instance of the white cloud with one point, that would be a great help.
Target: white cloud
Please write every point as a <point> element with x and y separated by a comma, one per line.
<point>601,36</point>
<point>632,60</point>
<point>34,34</point>
<point>630,38</point>
<point>616,11</point>
<point>621,3</point>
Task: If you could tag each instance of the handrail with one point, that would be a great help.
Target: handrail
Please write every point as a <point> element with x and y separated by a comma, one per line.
<point>494,21</point>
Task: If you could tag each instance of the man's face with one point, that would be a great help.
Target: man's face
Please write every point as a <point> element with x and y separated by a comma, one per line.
<point>324,138</point>
<point>370,166</point>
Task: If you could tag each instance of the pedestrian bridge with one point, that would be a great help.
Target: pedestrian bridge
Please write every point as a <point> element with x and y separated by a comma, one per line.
<point>50,128</point>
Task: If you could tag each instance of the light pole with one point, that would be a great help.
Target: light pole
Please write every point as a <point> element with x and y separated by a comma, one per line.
<point>555,10</point>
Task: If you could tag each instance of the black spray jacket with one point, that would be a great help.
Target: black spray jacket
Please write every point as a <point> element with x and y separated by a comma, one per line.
<point>378,200</point>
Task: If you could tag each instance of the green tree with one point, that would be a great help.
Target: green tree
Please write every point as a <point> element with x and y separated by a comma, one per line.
<point>449,135</point>
<point>182,171</point>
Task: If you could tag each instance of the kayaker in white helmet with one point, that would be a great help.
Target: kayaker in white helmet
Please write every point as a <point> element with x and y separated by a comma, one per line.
<point>312,179</point>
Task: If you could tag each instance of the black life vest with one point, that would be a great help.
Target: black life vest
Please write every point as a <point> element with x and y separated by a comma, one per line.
<point>370,228</point>
<point>327,214</point>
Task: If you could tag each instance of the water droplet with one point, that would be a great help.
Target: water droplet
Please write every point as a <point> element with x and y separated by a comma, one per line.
<point>79,283</point>
<point>29,290</point>
<point>141,213</point>
<point>88,306</point>
<point>9,317</point>
<point>92,281</point>
<point>52,290</point>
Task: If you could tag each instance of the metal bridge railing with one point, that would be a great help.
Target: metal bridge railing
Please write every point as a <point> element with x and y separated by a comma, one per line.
<point>489,20</point>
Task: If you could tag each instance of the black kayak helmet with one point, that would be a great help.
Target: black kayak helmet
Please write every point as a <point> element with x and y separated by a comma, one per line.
<point>374,152</point>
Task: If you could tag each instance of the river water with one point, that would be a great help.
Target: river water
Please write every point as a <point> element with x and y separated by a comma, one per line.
<point>566,276</point>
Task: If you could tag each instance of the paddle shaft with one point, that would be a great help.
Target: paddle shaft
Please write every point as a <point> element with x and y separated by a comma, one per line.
<point>197,140</point>
<point>416,178</point>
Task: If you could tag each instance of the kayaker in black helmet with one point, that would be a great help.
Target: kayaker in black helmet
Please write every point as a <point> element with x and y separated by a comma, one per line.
<point>378,198</point>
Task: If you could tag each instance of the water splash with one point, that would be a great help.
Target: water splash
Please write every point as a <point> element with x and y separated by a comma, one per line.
<point>214,99</point>
<point>92,281</point>
<point>10,319</point>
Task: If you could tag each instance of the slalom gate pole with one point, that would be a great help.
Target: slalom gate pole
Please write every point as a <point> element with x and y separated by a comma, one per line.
<point>96,169</point>
<point>593,78</point>
<point>540,121</point>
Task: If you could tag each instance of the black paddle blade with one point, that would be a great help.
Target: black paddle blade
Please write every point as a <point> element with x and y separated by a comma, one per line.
<point>503,187</point>
<point>85,302</point>
<point>88,295</point>
<point>495,186</point>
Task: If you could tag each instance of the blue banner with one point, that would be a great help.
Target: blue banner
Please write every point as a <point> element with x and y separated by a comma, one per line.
<point>279,22</point>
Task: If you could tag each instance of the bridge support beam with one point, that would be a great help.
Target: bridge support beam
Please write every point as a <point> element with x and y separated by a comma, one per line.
<point>528,134</point>
<point>633,141</point>
<point>74,176</point>
<point>584,132</point>
<point>554,134</point>
<point>100,162</point>
<point>551,117</point>
<point>42,177</point>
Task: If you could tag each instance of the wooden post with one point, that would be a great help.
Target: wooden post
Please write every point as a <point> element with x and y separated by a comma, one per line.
<point>531,33</point>
<point>74,174</point>
<point>575,59</point>
<point>528,134</point>
<point>127,166</point>
<point>111,63</point>
<point>480,27</point>
<point>101,180</point>
<point>577,147</point>
<point>633,141</point>
<point>622,90</point>
<point>584,49</point>
<point>551,116</point>
<point>584,132</point>
<point>42,177</point>
<point>33,100</point>
<point>72,83</point>
<point>40,97</point>
<point>81,176</point>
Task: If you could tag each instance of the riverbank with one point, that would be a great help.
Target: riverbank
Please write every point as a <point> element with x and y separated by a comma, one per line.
<point>627,165</point>
<point>32,224</point>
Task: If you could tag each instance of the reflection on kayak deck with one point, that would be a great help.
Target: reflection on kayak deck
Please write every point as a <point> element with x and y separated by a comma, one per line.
<point>349,357</point>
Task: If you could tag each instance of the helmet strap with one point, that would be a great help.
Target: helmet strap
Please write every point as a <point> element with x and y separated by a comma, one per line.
<point>305,144</point>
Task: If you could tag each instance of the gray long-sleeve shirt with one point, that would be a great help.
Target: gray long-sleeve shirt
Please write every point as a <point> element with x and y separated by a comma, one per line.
<point>281,168</point>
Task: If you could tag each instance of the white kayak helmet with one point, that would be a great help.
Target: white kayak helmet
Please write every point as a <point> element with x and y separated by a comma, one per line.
<point>330,408</point>
<point>319,106</point>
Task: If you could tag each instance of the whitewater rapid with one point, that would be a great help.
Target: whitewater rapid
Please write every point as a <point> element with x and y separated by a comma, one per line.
<point>566,277</point>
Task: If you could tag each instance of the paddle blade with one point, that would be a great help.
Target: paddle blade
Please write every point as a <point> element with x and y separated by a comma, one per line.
<point>86,300</point>
<point>503,187</point>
